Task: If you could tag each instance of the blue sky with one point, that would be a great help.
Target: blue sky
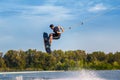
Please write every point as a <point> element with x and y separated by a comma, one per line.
<point>22,23</point>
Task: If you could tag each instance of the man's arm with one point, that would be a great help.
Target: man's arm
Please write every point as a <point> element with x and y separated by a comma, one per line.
<point>61,28</point>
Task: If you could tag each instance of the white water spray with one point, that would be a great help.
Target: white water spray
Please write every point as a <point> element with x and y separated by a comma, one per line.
<point>84,75</point>
<point>77,75</point>
<point>19,78</point>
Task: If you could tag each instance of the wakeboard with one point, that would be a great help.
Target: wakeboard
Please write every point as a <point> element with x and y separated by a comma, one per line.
<point>46,42</point>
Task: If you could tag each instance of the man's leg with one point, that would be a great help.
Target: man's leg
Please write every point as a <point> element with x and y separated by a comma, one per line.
<point>50,38</point>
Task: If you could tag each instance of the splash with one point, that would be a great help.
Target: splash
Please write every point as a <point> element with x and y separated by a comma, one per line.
<point>19,78</point>
<point>84,75</point>
<point>77,75</point>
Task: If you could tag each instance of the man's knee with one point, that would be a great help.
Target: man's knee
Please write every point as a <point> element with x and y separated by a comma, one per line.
<point>50,35</point>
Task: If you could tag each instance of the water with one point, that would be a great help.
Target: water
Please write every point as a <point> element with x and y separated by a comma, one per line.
<point>62,75</point>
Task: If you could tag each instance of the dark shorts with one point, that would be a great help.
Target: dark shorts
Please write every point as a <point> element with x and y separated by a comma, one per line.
<point>56,36</point>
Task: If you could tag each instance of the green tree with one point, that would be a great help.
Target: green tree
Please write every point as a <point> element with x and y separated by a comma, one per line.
<point>116,65</point>
<point>117,57</point>
<point>99,55</point>
<point>50,62</point>
<point>110,58</point>
<point>58,60</point>
<point>15,59</point>
<point>29,58</point>
<point>10,60</point>
<point>2,64</point>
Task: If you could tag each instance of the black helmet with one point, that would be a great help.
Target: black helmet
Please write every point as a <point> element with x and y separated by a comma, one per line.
<point>51,25</point>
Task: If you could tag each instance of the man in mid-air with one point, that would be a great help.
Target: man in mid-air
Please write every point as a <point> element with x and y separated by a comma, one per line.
<point>57,32</point>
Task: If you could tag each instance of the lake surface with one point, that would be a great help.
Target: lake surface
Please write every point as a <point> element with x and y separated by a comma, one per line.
<point>62,75</point>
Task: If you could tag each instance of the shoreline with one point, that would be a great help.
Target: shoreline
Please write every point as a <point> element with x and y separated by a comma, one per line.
<point>24,72</point>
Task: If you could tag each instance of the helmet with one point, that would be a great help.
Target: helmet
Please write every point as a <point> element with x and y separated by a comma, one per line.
<point>51,25</point>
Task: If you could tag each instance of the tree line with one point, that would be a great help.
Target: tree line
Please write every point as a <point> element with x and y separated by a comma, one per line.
<point>32,59</point>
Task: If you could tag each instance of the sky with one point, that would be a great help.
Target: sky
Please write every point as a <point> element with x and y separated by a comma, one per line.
<point>22,23</point>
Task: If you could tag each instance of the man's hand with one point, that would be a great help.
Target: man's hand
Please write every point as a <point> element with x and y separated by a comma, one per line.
<point>61,28</point>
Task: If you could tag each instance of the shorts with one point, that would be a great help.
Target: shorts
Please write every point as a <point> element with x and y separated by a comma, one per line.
<point>56,36</point>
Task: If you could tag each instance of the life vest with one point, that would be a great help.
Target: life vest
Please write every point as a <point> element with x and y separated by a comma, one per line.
<point>56,29</point>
